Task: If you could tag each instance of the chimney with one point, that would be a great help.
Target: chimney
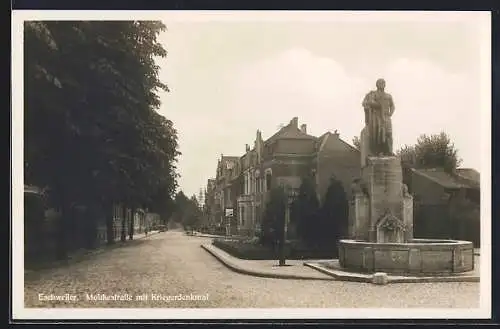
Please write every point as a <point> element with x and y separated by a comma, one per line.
<point>295,122</point>
<point>336,133</point>
<point>303,128</point>
<point>247,147</point>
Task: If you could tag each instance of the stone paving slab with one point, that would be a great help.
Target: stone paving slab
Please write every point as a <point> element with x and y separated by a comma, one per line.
<point>294,269</point>
<point>333,268</point>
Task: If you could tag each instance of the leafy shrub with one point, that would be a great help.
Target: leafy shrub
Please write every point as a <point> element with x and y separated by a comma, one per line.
<point>245,250</point>
<point>255,251</point>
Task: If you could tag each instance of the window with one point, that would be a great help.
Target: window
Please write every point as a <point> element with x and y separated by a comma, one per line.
<point>268,181</point>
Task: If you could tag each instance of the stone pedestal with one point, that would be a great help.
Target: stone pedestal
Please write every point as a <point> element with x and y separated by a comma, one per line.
<point>382,210</point>
<point>360,217</point>
<point>408,214</point>
<point>364,140</point>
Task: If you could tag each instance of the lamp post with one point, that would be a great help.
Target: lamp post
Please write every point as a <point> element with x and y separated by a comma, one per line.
<point>289,194</point>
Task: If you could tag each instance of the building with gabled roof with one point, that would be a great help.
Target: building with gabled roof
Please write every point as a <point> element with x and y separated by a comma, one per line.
<point>447,205</point>
<point>285,158</point>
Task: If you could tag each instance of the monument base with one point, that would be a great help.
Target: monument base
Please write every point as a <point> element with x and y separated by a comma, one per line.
<point>417,257</point>
<point>382,209</point>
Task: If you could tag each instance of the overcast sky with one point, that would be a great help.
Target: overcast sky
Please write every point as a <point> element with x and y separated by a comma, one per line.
<point>230,78</point>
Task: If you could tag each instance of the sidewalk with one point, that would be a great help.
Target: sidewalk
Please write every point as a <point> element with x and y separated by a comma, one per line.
<point>215,236</point>
<point>333,268</point>
<point>82,254</point>
<point>204,235</point>
<point>295,269</point>
<point>322,270</point>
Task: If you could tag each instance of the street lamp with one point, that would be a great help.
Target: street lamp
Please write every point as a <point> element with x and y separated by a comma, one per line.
<point>290,196</point>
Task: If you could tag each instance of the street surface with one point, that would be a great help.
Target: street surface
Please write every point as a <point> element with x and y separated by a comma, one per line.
<point>170,269</point>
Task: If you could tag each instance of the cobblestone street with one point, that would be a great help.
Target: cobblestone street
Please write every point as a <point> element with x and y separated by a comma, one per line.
<point>171,263</point>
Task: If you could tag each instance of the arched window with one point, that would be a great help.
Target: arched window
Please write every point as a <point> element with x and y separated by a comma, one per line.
<point>269,176</point>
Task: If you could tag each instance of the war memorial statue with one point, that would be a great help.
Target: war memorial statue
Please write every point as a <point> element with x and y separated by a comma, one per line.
<point>379,108</point>
<point>380,231</point>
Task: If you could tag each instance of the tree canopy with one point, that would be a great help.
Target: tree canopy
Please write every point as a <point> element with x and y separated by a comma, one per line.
<point>334,214</point>
<point>305,211</point>
<point>187,211</point>
<point>91,121</point>
<point>431,151</point>
<point>273,221</point>
<point>92,131</point>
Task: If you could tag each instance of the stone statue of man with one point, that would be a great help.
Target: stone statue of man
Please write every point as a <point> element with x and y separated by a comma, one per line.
<point>379,107</point>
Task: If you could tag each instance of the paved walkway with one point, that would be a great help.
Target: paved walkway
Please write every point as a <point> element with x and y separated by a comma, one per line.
<point>333,268</point>
<point>83,254</point>
<point>294,269</point>
<point>321,270</point>
<point>171,263</point>
<point>212,236</point>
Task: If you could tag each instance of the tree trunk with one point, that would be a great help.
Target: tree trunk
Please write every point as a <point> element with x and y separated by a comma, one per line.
<point>123,236</point>
<point>62,232</point>
<point>110,234</point>
<point>132,224</point>
<point>91,225</point>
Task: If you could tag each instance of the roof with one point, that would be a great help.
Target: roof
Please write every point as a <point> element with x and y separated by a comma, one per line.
<point>443,178</point>
<point>323,138</point>
<point>469,173</point>
<point>289,132</point>
<point>229,158</point>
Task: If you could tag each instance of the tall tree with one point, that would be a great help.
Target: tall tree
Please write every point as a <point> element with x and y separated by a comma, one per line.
<point>93,135</point>
<point>334,214</point>
<point>306,208</point>
<point>431,151</point>
<point>273,221</point>
<point>200,197</point>
<point>191,215</point>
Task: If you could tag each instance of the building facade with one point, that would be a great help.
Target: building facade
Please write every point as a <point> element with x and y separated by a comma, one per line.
<point>446,205</point>
<point>243,183</point>
<point>226,184</point>
<point>209,205</point>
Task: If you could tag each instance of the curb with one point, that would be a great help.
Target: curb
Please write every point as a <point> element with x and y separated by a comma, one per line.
<point>349,278</point>
<point>368,278</point>
<point>212,236</point>
<point>241,270</point>
<point>79,258</point>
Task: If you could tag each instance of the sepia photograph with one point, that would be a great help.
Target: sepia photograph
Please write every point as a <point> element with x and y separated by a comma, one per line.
<point>251,165</point>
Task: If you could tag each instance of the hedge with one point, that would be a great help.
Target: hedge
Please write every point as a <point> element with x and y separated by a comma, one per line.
<point>294,251</point>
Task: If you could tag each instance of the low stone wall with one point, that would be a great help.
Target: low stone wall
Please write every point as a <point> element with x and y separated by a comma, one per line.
<point>418,257</point>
